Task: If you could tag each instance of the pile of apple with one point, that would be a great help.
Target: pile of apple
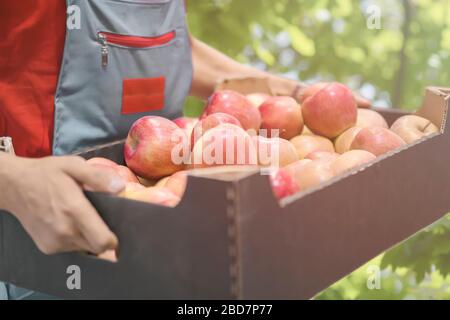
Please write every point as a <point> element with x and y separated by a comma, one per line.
<point>301,146</point>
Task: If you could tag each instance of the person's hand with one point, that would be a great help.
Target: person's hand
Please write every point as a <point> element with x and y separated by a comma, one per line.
<point>46,196</point>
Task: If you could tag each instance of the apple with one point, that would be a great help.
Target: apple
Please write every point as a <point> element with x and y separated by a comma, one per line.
<point>344,141</point>
<point>130,188</point>
<point>312,90</point>
<point>186,124</point>
<point>307,144</point>
<point>109,167</point>
<point>210,122</point>
<point>147,182</point>
<point>283,114</point>
<point>283,184</point>
<point>307,132</point>
<point>370,118</point>
<point>330,111</point>
<point>156,195</point>
<point>412,128</point>
<point>162,183</point>
<point>237,105</point>
<point>149,147</point>
<point>322,155</point>
<point>176,183</point>
<point>226,144</point>
<point>376,140</point>
<point>274,152</point>
<point>99,161</point>
<point>126,174</point>
<point>258,98</point>
<point>296,167</point>
<point>351,159</point>
<point>309,173</point>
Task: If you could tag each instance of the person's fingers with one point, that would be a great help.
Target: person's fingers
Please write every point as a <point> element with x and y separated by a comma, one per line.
<point>88,222</point>
<point>94,177</point>
<point>81,244</point>
<point>110,255</point>
<point>59,243</point>
<point>94,229</point>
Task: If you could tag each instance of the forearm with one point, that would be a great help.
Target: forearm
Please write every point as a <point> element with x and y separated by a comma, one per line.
<point>211,66</point>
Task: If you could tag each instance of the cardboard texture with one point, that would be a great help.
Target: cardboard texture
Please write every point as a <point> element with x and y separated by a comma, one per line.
<point>230,239</point>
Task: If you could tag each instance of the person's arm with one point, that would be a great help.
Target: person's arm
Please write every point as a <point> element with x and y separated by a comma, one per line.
<point>46,196</point>
<point>211,66</point>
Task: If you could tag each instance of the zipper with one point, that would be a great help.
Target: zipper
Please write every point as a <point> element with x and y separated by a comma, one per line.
<point>104,50</point>
<point>105,39</point>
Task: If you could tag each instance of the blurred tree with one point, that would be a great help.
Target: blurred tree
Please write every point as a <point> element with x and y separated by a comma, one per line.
<point>331,40</point>
<point>391,65</point>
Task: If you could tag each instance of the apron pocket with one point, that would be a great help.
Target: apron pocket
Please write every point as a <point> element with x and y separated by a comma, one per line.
<point>131,42</point>
<point>142,94</point>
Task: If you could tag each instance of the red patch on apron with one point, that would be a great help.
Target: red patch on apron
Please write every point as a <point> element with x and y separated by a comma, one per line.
<point>143,95</point>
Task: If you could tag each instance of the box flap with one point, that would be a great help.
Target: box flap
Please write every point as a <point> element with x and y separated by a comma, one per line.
<point>435,106</point>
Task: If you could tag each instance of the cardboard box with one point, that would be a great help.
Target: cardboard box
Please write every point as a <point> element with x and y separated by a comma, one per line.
<point>229,238</point>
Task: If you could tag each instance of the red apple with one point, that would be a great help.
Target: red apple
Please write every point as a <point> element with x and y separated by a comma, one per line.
<point>237,105</point>
<point>186,124</point>
<point>351,159</point>
<point>307,132</point>
<point>370,118</point>
<point>295,168</point>
<point>130,188</point>
<point>412,128</point>
<point>257,99</point>
<point>226,144</point>
<point>162,183</point>
<point>312,90</point>
<point>376,140</point>
<point>309,174</point>
<point>322,156</point>
<point>147,182</point>
<point>283,184</point>
<point>156,195</point>
<point>344,141</point>
<point>330,111</point>
<point>106,166</point>
<point>274,152</point>
<point>102,162</point>
<point>283,114</point>
<point>127,174</point>
<point>176,183</point>
<point>151,145</point>
<point>210,122</point>
<point>307,144</point>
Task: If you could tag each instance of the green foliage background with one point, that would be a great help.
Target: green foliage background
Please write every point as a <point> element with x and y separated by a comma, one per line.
<point>392,65</point>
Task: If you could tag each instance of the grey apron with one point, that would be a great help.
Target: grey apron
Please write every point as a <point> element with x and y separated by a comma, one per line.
<point>130,58</point>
